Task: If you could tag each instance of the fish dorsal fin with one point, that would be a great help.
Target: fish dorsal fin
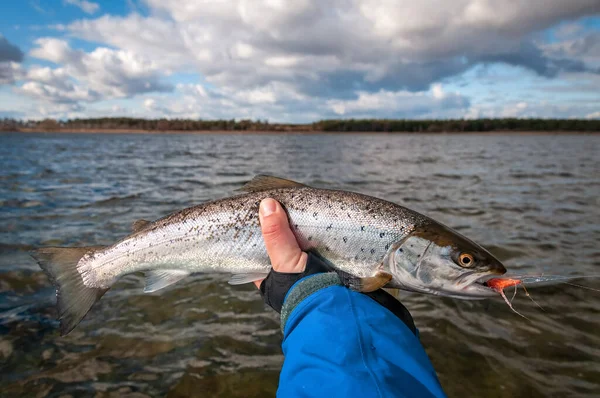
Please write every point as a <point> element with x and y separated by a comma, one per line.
<point>264,182</point>
<point>138,225</point>
<point>159,279</point>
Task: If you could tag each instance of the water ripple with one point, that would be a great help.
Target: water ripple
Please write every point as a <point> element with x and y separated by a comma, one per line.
<point>532,201</point>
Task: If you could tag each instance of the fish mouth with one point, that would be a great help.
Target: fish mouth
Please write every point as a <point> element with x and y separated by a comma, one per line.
<point>475,285</point>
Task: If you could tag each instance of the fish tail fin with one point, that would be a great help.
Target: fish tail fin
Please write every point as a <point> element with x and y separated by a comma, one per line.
<point>73,298</point>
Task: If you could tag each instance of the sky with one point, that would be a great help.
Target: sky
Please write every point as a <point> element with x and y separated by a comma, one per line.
<point>300,61</point>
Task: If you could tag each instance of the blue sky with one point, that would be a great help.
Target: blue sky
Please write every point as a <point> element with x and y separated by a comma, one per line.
<point>300,61</point>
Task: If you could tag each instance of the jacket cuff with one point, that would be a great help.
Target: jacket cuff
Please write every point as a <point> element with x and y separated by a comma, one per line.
<point>304,288</point>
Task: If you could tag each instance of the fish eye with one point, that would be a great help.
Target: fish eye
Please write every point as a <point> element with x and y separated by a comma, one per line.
<point>466,260</point>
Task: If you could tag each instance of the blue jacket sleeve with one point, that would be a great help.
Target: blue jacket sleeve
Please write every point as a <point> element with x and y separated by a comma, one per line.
<point>338,342</point>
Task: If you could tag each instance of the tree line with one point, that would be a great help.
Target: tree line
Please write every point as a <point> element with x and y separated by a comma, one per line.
<point>339,125</point>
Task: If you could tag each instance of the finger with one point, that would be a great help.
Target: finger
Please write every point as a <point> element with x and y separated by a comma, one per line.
<point>281,244</point>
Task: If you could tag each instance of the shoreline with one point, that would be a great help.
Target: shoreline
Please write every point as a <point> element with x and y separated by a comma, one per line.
<point>291,131</point>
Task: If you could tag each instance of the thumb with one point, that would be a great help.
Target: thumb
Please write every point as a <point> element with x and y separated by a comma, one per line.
<point>281,244</point>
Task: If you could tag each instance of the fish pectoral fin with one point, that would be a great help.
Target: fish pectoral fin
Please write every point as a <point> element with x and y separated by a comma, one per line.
<point>138,225</point>
<point>240,279</point>
<point>159,279</point>
<point>366,284</point>
<point>264,182</point>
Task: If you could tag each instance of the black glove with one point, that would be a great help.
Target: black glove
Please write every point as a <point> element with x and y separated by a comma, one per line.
<point>276,285</point>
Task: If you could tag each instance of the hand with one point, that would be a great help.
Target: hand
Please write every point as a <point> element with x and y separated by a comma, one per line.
<point>290,264</point>
<point>282,247</point>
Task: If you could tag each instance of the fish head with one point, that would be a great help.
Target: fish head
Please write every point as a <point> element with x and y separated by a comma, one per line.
<point>437,260</point>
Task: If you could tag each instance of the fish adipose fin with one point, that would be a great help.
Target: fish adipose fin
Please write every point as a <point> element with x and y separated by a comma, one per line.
<point>138,225</point>
<point>73,298</point>
<point>240,279</point>
<point>265,182</point>
<point>159,279</point>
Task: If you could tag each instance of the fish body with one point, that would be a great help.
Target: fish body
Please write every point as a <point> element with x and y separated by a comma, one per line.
<point>352,231</point>
<point>356,234</point>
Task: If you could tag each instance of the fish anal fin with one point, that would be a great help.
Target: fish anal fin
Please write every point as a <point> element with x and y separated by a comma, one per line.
<point>73,299</point>
<point>265,182</point>
<point>240,279</point>
<point>139,225</point>
<point>366,284</point>
<point>159,279</point>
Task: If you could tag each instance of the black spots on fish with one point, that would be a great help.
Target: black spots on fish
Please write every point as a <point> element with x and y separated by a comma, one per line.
<point>401,250</point>
<point>356,257</point>
<point>345,239</point>
<point>295,226</point>
<point>381,234</point>
<point>315,214</point>
<point>362,229</point>
<point>362,249</point>
<point>372,251</point>
<point>329,227</point>
<point>309,238</point>
<point>349,215</point>
<point>327,249</point>
<point>387,246</point>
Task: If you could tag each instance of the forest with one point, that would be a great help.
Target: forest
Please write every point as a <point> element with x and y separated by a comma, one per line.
<point>336,125</point>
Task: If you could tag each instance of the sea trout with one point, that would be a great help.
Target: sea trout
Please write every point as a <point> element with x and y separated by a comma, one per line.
<point>375,242</point>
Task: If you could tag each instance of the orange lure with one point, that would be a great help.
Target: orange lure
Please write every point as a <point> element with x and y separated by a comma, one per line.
<point>499,284</point>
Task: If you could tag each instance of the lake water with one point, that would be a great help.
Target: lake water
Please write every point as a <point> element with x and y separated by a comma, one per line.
<point>533,200</point>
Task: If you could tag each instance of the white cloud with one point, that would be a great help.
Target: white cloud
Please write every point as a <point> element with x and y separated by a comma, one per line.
<point>10,58</point>
<point>336,50</point>
<point>55,50</point>
<point>593,115</point>
<point>541,109</point>
<point>54,86</point>
<point>584,47</point>
<point>9,72</point>
<point>86,6</point>
<point>151,37</point>
<point>150,104</point>
<point>401,104</point>
<point>101,74</point>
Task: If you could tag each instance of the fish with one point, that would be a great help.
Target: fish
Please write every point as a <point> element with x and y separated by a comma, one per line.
<point>373,242</point>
